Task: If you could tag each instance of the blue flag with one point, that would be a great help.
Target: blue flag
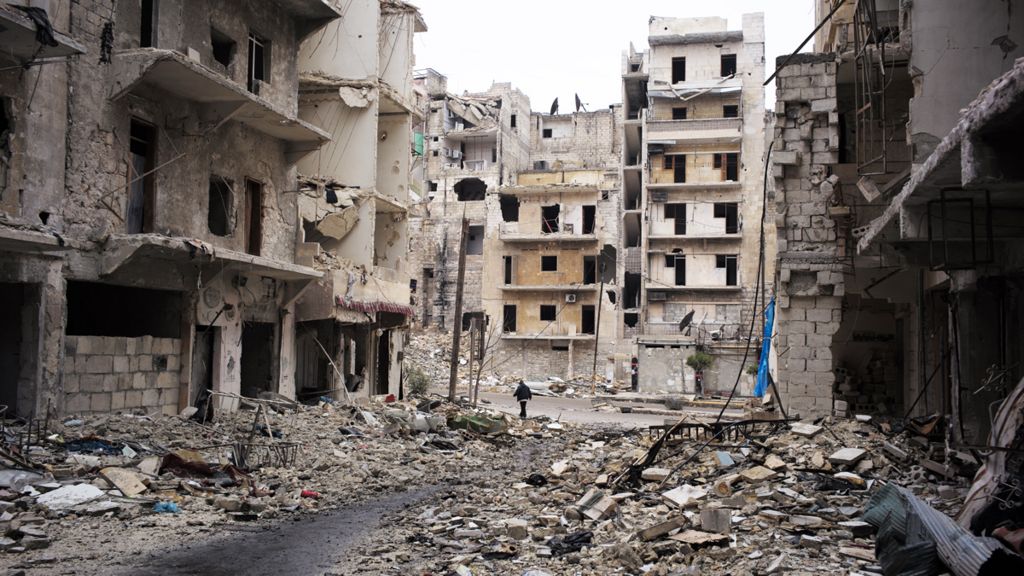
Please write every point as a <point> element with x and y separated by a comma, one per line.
<point>766,344</point>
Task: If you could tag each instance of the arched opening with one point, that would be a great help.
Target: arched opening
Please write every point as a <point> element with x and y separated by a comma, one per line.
<point>470,189</point>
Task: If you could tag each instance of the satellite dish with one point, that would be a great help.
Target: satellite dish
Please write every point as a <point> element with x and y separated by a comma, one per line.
<point>686,321</point>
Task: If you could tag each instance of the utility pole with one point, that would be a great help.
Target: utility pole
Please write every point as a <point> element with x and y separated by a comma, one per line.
<point>472,355</point>
<point>453,377</point>
<point>597,325</point>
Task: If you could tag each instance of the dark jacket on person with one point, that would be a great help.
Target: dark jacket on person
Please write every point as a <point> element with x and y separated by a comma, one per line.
<point>523,392</point>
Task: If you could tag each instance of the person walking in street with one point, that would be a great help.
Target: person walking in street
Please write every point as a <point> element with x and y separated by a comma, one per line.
<point>523,395</point>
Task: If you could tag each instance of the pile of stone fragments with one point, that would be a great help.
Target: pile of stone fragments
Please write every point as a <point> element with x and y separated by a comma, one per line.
<point>769,499</point>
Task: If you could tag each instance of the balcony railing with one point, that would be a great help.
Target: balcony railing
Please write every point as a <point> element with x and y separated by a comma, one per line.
<point>698,129</point>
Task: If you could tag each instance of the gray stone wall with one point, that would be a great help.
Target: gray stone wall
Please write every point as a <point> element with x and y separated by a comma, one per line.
<point>104,374</point>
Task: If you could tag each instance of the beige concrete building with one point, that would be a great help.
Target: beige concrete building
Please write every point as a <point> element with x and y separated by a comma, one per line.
<point>692,188</point>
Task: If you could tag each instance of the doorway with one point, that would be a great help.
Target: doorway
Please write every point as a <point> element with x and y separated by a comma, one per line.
<point>383,363</point>
<point>257,358</point>
<point>12,344</point>
<point>202,360</point>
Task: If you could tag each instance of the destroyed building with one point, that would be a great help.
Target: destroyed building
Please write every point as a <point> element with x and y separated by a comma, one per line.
<point>692,189</point>
<point>898,247</point>
<point>152,247</point>
<point>356,78</point>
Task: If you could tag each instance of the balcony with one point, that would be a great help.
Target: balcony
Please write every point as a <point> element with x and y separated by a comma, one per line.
<point>668,185</point>
<point>311,15</point>
<point>549,287</point>
<point>688,237</point>
<point>698,130</point>
<point>549,189</point>
<point>152,72</point>
<point>548,336</point>
<point>669,288</point>
<point>334,297</point>
<point>509,232</point>
<point>18,38</point>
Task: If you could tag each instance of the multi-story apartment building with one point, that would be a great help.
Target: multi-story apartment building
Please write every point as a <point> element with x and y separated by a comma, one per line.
<point>692,189</point>
<point>898,246</point>
<point>473,143</point>
<point>152,246</point>
<point>356,78</point>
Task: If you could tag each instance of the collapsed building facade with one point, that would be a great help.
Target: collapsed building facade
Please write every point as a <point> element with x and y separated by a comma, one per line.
<point>897,241</point>
<point>692,199</point>
<point>356,77</point>
<point>150,196</point>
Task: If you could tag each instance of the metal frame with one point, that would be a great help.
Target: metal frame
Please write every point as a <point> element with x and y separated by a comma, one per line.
<point>943,218</point>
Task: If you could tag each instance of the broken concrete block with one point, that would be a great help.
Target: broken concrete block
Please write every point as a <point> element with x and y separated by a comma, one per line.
<point>517,528</point>
<point>683,496</point>
<point>596,505</point>
<point>806,521</point>
<point>786,157</point>
<point>757,474</point>
<point>69,496</point>
<point>724,459</point>
<point>560,467</point>
<point>858,528</point>
<point>895,452</point>
<point>717,520</point>
<point>847,456</point>
<point>127,481</point>
<point>228,503</point>
<point>851,478</point>
<point>771,515</point>
<point>659,530</point>
<point>774,462</point>
<point>805,430</point>
<point>655,474</point>
<point>697,538</point>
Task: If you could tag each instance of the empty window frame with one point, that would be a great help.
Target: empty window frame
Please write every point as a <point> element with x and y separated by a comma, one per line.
<point>508,318</point>
<point>141,180</point>
<point>254,216</point>
<point>512,121</point>
<point>730,111</point>
<point>587,319</point>
<point>728,65</point>
<point>475,241</point>
<point>432,185</point>
<point>589,216</point>
<point>679,113</point>
<point>223,47</point>
<point>729,165</point>
<point>677,164</point>
<point>147,23</point>
<point>677,213</point>
<point>549,218</point>
<point>546,133</point>
<point>678,70</point>
<point>729,263</point>
<point>548,312</point>
<point>729,211</point>
<point>259,62</point>
<point>509,270</point>
<point>549,263</point>
<point>677,262</point>
<point>218,208</point>
<point>589,269</point>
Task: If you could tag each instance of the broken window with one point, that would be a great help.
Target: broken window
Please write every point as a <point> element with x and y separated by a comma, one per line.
<point>730,111</point>
<point>587,319</point>
<point>547,312</point>
<point>679,113</point>
<point>507,261</point>
<point>508,318</point>
<point>729,263</point>
<point>589,269</point>
<point>589,215</point>
<point>254,216</point>
<point>140,179</point>
<point>147,24</point>
<point>96,309</point>
<point>631,291</point>
<point>546,133</point>
<point>540,165</point>
<point>549,263</point>
<point>223,47</point>
<point>728,65</point>
<point>470,189</point>
<point>218,209</point>
<point>549,218</point>
<point>509,208</point>
<point>729,211</point>
<point>630,319</point>
<point>732,161</point>
<point>259,62</point>
<point>677,164</point>
<point>512,121</point>
<point>678,70</point>
<point>677,212</point>
<point>475,241</point>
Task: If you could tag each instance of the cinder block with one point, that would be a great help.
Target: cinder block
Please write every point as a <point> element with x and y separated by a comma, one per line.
<point>120,363</point>
<point>150,397</point>
<point>117,400</point>
<point>168,396</point>
<point>133,399</point>
<point>139,381</point>
<point>109,382</point>
<point>99,364</point>
<point>819,366</point>
<point>819,315</point>
<point>145,363</point>
<point>167,380</point>
<point>71,383</point>
<point>786,157</point>
<point>99,402</point>
<point>76,403</point>
<point>91,383</point>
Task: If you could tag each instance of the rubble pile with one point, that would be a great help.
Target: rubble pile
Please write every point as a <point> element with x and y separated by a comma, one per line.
<point>773,499</point>
<point>257,464</point>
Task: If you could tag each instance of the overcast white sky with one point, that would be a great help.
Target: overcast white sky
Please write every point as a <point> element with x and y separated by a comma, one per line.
<point>550,48</point>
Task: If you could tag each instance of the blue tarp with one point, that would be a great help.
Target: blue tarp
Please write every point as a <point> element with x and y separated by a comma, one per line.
<point>762,368</point>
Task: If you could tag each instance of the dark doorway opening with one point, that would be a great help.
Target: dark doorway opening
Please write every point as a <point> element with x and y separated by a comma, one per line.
<point>12,343</point>
<point>678,70</point>
<point>257,369</point>
<point>589,217</point>
<point>202,359</point>
<point>383,363</point>
<point>147,29</point>
<point>509,278</point>
<point>142,146</point>
<point>589,269</point>
<point>631,291</point>
<point>254,211</point>
<point>508,318</point>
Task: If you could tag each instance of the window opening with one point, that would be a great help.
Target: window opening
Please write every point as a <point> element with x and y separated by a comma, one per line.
<point>589,215</point>
<point>141,181</point>
<point>549,218</point>
<point>729,263</point>
<point>475,241</point>
<point>254,213</point>
<point>508,318</point>
<point>678,70</point>
<point>679,113</point>
<point>223,47</point>
<point>259,62</point>
<point>587,317</point>
<point>730,111</point>
<point>547,312</point>
<point>549,263</point>
<point>728,65</point>
<point>509,207</point>
<point>147,29</point>
<point>218,209</point>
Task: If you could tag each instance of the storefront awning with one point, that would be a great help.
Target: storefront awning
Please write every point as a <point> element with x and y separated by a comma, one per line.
<point>374,307</point>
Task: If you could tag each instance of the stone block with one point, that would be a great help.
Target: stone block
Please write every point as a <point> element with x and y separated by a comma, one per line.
<point>133,399</point>
<point>82,344</point>
<point>818,314</point>
<point>99,364</point>
<point>117,400</point>
<point>145,345</point>
<point>76,403</point>
<point>99,402</point>
<point>786,157</point>
<point>819,366</point>
<point>717,520</point>
<point>824,105</point>
<point>71,382</point>
<point>168,396</point>
<point>130,345</point>
<point>166,380</point>
<point>150,397</point>
<point>91,383</point>
<point>169,410</point>
<point>121,364</point>
<point>173,363</point>
<point>109,382</point>
<point>145,363</point>
<point>139,381</point>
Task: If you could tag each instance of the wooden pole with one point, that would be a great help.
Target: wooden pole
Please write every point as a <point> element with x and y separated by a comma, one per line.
<point>457,319</point>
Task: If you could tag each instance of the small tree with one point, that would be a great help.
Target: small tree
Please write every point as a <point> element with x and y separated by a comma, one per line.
<point>417,381</point>
<point>699,361</point>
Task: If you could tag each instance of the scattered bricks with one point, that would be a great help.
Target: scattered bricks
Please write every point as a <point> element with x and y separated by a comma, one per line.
<point>847,456</point>
<point>683,496</point>
<point>774,462</point>
<point>806,521</point>
<point>805,430</point>
<point>659,530</point>
<point>596,506</point>
<point>858,528</point>
<point>655,474</point>
<point>717,520</point>
<point>724,459</point>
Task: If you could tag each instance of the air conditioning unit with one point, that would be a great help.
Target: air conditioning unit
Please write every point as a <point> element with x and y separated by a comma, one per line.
<point>570,298</point>
<point>655,296</point>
